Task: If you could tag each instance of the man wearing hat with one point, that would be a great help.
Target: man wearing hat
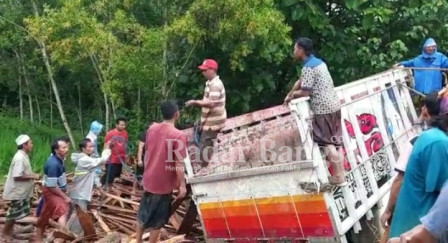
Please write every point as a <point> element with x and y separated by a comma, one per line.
<point>213,105</point>
<point>19,185</point>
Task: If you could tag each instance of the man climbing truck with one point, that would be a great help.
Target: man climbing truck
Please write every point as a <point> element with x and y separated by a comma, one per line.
<point>269,180</point>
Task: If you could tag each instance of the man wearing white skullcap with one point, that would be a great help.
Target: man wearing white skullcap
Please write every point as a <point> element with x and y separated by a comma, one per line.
<point>19,185</point>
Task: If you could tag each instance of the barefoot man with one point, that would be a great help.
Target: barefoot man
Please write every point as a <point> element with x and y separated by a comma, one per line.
<point>54,189</point>
<point>19,185</point>
<point>164,171</point>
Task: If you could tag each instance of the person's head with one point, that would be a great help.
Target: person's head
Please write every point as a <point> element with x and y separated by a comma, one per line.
<point>303,48</point>
<point>430,46</point>
<point>86,146</point>
<point>120,124</point>
<point>431,106</point>
<point>170,110</point>
<point>59,147</point>
<point>209,69</point>
<point>66,139</point>
<point>24,143</point>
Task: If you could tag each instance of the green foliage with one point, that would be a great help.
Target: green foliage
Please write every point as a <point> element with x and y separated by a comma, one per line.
<point>40,135</point>
<point>129,55</point>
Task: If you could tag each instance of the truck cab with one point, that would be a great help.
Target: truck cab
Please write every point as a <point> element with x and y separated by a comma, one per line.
<point>268,180</point>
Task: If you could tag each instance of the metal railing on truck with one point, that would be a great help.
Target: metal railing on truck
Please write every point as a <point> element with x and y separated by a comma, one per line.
<point>269,201</point>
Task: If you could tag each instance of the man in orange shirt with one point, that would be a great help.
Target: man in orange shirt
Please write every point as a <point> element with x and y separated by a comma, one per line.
<point>119,138</point>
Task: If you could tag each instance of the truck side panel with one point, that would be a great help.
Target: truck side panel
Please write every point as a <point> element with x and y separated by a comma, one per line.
<point>276,198</point>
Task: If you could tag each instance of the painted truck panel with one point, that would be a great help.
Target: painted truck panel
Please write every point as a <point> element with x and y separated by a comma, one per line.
<point>245,195</point>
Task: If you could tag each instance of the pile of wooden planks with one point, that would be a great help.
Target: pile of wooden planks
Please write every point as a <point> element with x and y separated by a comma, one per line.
<point>114,216</point>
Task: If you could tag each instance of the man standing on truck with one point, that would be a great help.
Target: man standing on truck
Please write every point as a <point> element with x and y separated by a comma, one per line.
<point>316,82</point>
<point>118,138</point>
<point>164,171</point>
<point>430,109</point>
<point>426,173</point>
<point>213,105</point>
<point>427,78</point>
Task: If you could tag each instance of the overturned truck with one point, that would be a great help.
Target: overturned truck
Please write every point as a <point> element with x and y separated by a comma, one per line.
<point>268,180</point>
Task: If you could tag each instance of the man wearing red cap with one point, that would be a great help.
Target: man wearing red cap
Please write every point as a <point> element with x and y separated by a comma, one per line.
<point>213,105</point>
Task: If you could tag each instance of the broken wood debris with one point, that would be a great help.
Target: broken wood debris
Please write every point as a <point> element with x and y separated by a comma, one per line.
<point>115,218</point>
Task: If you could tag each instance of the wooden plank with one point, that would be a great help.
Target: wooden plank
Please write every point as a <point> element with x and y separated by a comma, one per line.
<point>190,217</point>
<point>121,227</point>
<point>114,208</point>
<point>122,199</point>
<point>133,222</point>
<point>101,221</point>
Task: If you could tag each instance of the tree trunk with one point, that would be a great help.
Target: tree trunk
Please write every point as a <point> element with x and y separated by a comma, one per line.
<point>138,105</point>
<point>51,106</point>
<point>80,108</point>
<point>38,110</point>
<point>30,98</point>
<point>164,57</point>
<point>113,109</point>
<point>46,60</point>
<point>106,107</point>
<point>20,97</point>
<point>100,78</point>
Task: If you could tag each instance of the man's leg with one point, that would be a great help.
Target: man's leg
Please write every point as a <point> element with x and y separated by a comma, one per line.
<point>40,228</point>
<point>139,233</point>
<point>336,161</point>
<point>104,178</point>
<point>8,230</point>
<point>207,141</point>
<point>154,235</point>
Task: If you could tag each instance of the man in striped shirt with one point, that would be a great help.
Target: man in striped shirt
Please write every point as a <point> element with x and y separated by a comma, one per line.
<point>213,105</point>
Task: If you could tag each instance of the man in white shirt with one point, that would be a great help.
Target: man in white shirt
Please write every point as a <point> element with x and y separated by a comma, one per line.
<point>19,185</point>
<point>430,109</point>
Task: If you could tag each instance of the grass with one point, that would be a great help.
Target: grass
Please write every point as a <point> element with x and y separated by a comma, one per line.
<point>40,135</point>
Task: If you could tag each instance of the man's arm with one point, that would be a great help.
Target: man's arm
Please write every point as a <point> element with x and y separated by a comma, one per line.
<point>444,61</point>
<point>27,177</point>
<point>18,172</point>
<point>300,93</point>
<point>56,190</point>
<point>106,139</point>
<point>181,179</point>
<point>51,182</point>
<point>141,145</point>
<point>295,87</point>
<point>408,63</point>
<point>437,168</point>
<point>181,146</point>
<point>213,99</point>
<point>393,195</point>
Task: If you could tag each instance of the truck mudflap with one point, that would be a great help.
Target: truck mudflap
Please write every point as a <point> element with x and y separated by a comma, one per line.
<point>291,198</point>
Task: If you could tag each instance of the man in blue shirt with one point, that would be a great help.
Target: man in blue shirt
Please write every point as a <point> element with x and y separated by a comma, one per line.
<point>56,200</point>
<point>427,81</point>
<point>434,225</point>
<point>426,172</point>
